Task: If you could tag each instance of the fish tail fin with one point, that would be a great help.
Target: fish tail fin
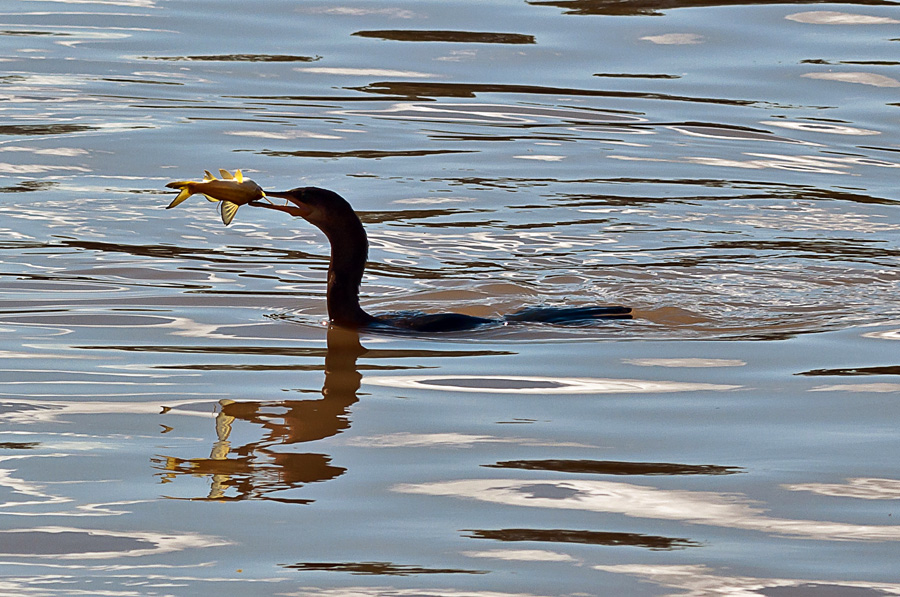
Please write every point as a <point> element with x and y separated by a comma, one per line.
<point>228,211</point>
<point>186,188</point>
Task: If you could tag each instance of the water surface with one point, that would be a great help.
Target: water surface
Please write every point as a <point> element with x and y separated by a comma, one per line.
<point>178,420</point>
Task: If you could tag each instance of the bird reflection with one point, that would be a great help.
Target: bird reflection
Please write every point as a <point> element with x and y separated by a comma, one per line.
<point>257,470</point>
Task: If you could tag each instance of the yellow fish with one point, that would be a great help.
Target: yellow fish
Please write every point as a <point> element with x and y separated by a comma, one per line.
<point>232,191</point>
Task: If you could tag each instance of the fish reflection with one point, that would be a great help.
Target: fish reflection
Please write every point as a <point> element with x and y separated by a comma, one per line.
<point>256,470</point>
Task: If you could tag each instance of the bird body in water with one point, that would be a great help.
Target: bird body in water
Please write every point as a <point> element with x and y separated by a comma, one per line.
<point>334,216</point>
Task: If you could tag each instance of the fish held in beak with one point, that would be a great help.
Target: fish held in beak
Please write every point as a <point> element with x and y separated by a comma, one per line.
<point>299,209</point>
<point>231,190</point>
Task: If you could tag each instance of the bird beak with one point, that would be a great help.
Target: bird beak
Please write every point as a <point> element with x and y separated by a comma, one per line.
<point>298,210</point>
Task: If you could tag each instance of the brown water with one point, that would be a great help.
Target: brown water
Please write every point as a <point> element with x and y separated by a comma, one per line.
<point>178,420</point>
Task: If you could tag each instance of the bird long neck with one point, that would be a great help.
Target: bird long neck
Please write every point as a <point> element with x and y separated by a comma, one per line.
<point>349,252</point>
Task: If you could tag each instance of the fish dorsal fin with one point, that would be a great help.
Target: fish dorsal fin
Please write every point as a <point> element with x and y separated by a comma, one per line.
<point>228,211</point>
<point>207,175</point>
<point>239,176</point>
<point>225,174</point>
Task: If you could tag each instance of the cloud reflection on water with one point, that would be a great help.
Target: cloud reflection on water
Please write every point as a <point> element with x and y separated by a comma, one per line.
<point>363,591</point>
<point>519,384</point>
<point>830,17</point>
<point>704,581</point>
<point>859,488</point>
<point>70,543</point>
<point>451,440</point>
<point>862,78</point>
<point>521,555</point>
<point>693,507</point>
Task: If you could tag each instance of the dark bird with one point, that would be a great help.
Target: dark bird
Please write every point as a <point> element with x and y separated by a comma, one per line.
<point>330,213</point>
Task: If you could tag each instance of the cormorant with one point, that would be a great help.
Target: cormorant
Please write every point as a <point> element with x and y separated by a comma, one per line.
<point>334,216</point>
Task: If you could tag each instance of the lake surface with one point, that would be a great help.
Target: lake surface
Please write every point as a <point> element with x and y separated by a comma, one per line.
<point>176,418</point>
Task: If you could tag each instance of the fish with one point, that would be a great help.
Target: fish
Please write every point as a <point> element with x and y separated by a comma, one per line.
<point>232,191</point>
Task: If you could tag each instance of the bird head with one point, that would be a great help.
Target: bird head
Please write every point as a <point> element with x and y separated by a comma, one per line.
<point>320,207</point>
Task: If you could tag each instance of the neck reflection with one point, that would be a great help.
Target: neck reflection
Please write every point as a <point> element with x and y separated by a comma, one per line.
<point>259,469</point>
<point>342,380</point>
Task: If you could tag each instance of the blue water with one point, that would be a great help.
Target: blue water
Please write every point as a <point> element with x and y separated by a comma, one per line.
<point>177,419</point>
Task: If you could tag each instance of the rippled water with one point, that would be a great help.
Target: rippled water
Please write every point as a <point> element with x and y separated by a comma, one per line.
<point>177,419</point>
